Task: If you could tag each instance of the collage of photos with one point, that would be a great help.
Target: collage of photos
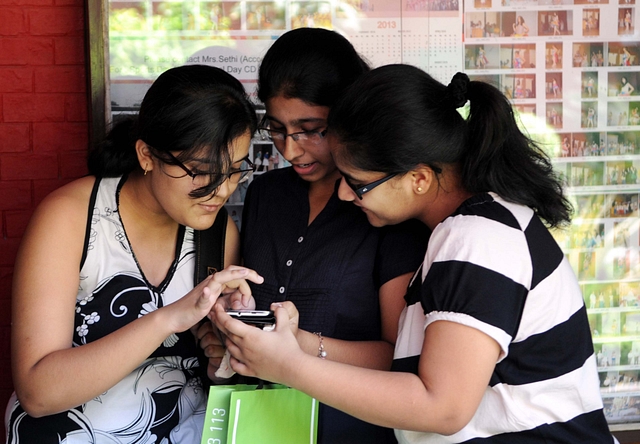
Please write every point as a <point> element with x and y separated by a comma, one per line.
<point>613,312</point>
<point>621,110</point>
<point>514,86</point>
<point>598,160</point>
<point>484,51</point>
<point>604,245</point>
<point>598,54</point>
<point>486,24</point>
<point>597,144</point>
<point>614,318</point>
<point>505,56</point>
<point>483,23</point>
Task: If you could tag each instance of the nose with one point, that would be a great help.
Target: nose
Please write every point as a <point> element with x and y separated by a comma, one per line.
<point>226,189</point>
<point>291,149</point>
<point>345,192</point>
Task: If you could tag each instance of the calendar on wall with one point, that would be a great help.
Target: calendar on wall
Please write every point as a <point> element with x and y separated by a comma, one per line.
<point>571,69</point>
<point>146,37</point>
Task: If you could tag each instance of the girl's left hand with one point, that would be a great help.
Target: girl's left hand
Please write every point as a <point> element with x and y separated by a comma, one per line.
<point>210,341</point>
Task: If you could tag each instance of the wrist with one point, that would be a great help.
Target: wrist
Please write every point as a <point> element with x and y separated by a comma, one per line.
<point>308,342</point>
<point>322,353</point>
<point>162,321</point>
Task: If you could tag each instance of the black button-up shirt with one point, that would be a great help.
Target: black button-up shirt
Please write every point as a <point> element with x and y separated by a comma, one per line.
<point>331,269</point>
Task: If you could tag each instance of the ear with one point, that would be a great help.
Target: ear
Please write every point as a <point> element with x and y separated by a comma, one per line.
<point>422,179</point>
<point>145,158</point>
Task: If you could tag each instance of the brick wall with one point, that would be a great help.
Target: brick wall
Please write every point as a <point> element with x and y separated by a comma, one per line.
<point>43,126</point>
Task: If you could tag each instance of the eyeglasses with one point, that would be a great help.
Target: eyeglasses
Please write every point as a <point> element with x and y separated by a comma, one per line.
<point>368,187</point>
<point>198,178</point>
<point>278,137</point>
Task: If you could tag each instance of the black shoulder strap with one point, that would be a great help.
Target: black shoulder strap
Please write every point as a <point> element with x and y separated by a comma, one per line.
<point>87,230</point>
<point>209,245</point>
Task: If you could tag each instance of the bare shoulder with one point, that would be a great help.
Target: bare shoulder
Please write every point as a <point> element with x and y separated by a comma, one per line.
<point>62,214</point>
<point>69,199</point>
<point>50,253</point>
<point>78,191</point>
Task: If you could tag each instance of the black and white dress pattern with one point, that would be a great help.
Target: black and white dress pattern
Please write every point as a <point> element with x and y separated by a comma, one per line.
<point>162,401</point>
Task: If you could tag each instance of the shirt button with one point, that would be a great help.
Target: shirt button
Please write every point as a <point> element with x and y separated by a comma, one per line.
<point>281,290</point>
<point>289,262</point>
<point>300,239</point>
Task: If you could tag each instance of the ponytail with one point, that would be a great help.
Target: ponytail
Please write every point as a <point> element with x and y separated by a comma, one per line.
<point>500,158</point>
<point>116,155</point>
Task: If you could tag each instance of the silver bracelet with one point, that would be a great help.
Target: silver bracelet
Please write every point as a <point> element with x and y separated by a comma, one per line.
<point>321,352</point>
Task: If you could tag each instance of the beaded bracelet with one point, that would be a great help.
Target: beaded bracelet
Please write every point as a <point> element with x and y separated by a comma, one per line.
<point>321,352</point>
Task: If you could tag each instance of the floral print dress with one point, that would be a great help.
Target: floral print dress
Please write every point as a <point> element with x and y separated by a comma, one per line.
<point>162,401</point>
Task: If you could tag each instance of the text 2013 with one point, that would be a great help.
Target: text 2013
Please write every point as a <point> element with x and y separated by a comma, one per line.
<point>391,24</point>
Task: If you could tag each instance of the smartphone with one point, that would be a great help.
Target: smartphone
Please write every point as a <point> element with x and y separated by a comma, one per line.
<point>264,319</point>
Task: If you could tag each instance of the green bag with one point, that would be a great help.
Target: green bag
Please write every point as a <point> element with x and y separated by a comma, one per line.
<point>246,414</point>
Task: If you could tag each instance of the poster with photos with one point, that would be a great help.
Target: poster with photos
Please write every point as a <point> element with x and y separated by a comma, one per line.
<point>571,68</point>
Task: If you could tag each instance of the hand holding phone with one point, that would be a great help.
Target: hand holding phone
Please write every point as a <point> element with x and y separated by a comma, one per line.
<point>264,319</point>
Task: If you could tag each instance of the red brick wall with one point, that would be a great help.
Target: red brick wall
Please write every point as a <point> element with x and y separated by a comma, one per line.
<point>43,126</point>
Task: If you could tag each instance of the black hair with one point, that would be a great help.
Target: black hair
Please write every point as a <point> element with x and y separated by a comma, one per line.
<point>311,64</point>
<point>397,117</point>
<point>187,109</point>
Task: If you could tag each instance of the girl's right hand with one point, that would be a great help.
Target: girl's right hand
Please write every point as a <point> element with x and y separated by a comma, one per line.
<point>195,305</point>
<point>268,355</point>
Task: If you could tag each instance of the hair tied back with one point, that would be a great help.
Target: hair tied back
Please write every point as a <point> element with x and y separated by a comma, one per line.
<point>457,90</point>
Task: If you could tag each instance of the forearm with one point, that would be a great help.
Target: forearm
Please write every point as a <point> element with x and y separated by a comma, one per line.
<point>68,377</point>
<point>455,367</point>
<point>389,399</point>
<point>369,354</point>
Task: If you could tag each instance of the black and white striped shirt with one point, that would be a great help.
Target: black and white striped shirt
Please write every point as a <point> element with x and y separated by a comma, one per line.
<point>494,266</point>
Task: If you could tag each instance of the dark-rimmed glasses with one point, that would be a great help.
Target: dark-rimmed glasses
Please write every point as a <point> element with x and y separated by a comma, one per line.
<point>198,178</point>
<point>368,187</point>
<point>278,137</point>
